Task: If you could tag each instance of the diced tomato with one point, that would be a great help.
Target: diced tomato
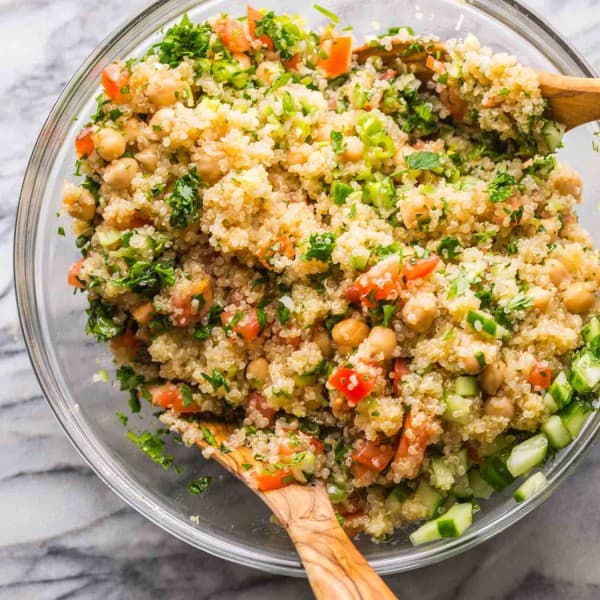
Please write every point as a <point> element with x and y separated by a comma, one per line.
<point>272,480</point>
<point>335,56</point>
<point>254,16</point>
<point>115,80</point>
<point>353,385</point>
<point>380,282</point>
<point>84,144</point>
<point>233,35</point>
<point>73,276</point>
<point>437,66</point>
<point>317,445</point>
<point>416,436</point>
<point>185,310</point>
<point>257,403</point>
<point>143,313</point>
<point>283,246</point>
<point>420,267</point>
<point>373,454</point>
<point>455,105</point>
<point>540,376</point>
<point>125,346</point>
<point>292,63</point>
<point>401,369</point>
<point>169,395</point>
<point>362,472</point>
<point>247,326</point>
<point>353,522</point>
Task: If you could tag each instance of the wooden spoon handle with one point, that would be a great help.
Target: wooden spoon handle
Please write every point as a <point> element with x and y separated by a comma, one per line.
<point>335,568</point>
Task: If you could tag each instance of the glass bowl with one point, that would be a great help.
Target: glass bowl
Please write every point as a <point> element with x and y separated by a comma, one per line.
<point>228,520</point>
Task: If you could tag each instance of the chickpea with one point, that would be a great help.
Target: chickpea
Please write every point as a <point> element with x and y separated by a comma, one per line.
<point>208,165</point>
<point>132,130</point>
<point>322,339</point>
<point>419,311</point>
<point>578,298</point>
<point>556,271</point>
<point>568,183</point>
<point>469,364</point>
<point>268,71</point>
<point>257,370</point>
<point>296,157</point>
<point>499,406</point>
<point>162,122</point>
<point>78,202</point>
<point>492,377</point>
<point>382,340</point>
<point>415,210</point>
<point>540,297</point>
<point>354,149</point>
<point>242,59</point>
<point>323,133</point>
<point>165,90</point>
<point>148,158</point>
<point>349,333</point>
<point>109,144</point>
<point>120,173</point>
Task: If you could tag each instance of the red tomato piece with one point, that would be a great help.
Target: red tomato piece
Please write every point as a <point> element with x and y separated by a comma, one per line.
<point>401,369</point>
<point>73,275</point>
<point>415,438</point>
<point>455,105</point>
<point>335,56</point>
<point>540,376</point>
<point>233,35</point>
<point>254,16</point>
<point>373,454</point>
<point>247,325</point>
<point>115,80</point>
<point>420,267</point>
<point>272,480</point>
<point>168,396</point>
<point>257,403</point>
<point>143,313</point>
<point>292,63</point>
<point>353,385</point>
<point>84,143</point>
<point>380,282</point>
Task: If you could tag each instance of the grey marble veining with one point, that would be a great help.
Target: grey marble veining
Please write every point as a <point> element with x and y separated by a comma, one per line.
<point>63,534</point>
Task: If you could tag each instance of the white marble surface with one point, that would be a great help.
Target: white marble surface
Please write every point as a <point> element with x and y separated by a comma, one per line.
<point>63,534</point>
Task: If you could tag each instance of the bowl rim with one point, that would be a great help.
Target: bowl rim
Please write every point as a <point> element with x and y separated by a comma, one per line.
<point>29,317</point>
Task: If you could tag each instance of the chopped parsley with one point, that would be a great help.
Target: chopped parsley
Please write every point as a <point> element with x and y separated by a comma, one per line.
<point>147,278</point>
<point>502,187</point>
<point>153,446</point>
<point>282,312</point>
<point>184,40</point>
<point>184,200</point>
<point>200,485</point>
<point>217,380</point>
<point>331,16</point>
<point>423,160</point>
<point>61,231</point>
<point>320,248</point>
<point>102,320</point>
<point>449,247</point>
<point>186,395</point>
<point>284,33</point>
<point>337,142</point>
<point>208,436</point>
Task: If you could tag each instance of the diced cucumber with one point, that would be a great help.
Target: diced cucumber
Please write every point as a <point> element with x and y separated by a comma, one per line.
<point>558,435</point>
<point>428,497</point>
<point>573,418</point>
<point>466,386</point>
<point>591,335</point>
<point>428,532</point>
<point>462,464</point>
<point>552,133</point>
<point>396,497</point>
<point>530,486</point>
<point>339,192</point>
<point>458,409</point>
<point>456,521</point>
<point>442,477</point>
<point>304,379</point>
<point>561,390</point>
<point>480,487</point>
<point>336,492</point>
<point>550,404</point>
<point>585,373</point>
<point>481,323</point>
<point>461,489</point>
<point>359,262</point>
<point>493,470</point>
<point>527,454</point>
<point>501,442</point>
<point>108,236</point>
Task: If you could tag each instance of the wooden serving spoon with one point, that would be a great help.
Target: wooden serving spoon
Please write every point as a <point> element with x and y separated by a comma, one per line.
<point>572,101</point>
<point>335,568</point>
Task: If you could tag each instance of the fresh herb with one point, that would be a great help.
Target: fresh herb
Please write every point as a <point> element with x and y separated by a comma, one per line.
<point>480,356</point>
<point>92,186</point>
<point>184,200</point>
<point>128,378</point>
<point>331,16</point>
<point>321,247</point>
<point>145,277</point>
<point>200,485</point>
<point>102,320</point>
<point>61,231</point>
<point>388,312</point>
<point>519,302</point>
<point>246,466</point>
<point>101,102</point>
<point>337,142</point>
<point>511,247</point>
<point>449,248</point>
<point>339,192</point>
<point>383,251</point>
<point>152,445</point>
<point>134,402</point>
<point>282,312</point>
<point>284,33</point>
<point>288,105</point>
<point>208,436</point>
<point>261,317</point>
<point>114,114</point>
<point>123,418</point>
<point>184,40</point>
<point>213,319</point>
<point>502,187</point>
<point>186,395</point>
<point>423,160</point>
<point>217,380</point>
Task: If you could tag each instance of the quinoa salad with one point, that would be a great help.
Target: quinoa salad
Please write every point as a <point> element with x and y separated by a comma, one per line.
<point>369,264</point>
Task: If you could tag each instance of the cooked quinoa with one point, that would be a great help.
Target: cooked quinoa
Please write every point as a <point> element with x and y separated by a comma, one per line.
<point>378,277</point>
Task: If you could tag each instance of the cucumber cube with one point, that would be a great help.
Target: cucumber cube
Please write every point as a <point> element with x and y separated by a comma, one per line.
<point>558,435</point>
<point>480,487</point>
<point>466,386</point>
<point>574,417</point>
<point>428,532</point>
<point>530,487</point>
<point>527,454</point>
<point>585,373</point>
<point>428,497</point>
<point>561,390</point>
<point>458,409</point>
<point>455,522</point>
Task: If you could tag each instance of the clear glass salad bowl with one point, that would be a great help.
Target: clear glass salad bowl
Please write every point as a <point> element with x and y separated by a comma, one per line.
<point>228,520</point>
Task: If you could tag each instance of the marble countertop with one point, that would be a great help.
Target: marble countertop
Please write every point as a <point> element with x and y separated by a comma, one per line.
<point>52,546</point>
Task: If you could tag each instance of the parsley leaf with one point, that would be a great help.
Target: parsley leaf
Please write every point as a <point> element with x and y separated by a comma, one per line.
<point>284,33</point>
<point>423,160</point>
<point>282,312</point>
<point>147,278</point>
<point>102,321</point>
<point>184,200</point>
<point>502,187</point>
<point>184,40</point>
<point>337,142</point>
<point>217,380</point>
<point>128,378</point>
<point>321,247</point>
<point>449,247</point>
<point>153,446</point>
<point>200,485</point>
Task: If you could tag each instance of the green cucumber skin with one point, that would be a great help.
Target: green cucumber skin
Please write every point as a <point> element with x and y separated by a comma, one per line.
<point>530,487</point>
<point>527,454</point>
<point>494,472</point>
